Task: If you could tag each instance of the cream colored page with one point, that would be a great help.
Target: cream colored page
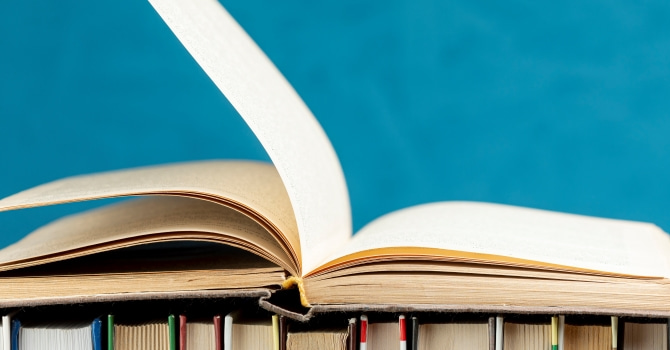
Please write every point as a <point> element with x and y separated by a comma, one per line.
<point>293,138</point>
<point>470,336</point>
<point>645,336</point>
<point>616,246</point>
<point>519,336</point>
<point>322,340</point>
<point>145,219</point>
<point>200,335</point>
<point>383,336</point>
<point>255,185</point>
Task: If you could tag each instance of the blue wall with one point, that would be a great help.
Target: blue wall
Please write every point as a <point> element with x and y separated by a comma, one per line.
<point>556,105</point>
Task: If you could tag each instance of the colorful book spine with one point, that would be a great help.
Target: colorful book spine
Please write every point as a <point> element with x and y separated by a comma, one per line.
<point>110,332</point>
<point>171,332</point>
<point>364,333</point>
<point>16,328</point>
<point>96,334</point>
<point>403,332</point>
<point>554,333</point>
<point>182,332</point>
<point>217,332</point>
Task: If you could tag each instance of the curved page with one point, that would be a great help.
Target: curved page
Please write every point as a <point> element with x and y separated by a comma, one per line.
<point>513,236</point>
<point>282,122</point>
<point>253,188</point>
<point>142,221</point>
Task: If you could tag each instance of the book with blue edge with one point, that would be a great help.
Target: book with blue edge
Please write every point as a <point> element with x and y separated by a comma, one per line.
<point>56,335</point>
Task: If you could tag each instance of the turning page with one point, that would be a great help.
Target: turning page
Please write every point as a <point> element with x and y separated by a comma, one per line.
<point>286,128</point>
<point>142,221</point>
<point>253,188</point>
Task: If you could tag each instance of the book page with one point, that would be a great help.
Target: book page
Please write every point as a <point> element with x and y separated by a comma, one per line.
<point>494,233</point>
<point>253,188</point>
<point>286,128</point>
<point>142,221</point>
<point>457,335</point>
<point>150,268</point>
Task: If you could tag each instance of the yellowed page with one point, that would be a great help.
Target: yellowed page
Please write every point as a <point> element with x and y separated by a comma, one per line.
<point>152,219</point>
<point>454,336</point>
<point>483,232</point>
<point>253,188</point>
<point>200,336</point>
<point>282,122</point>
<point>144,336</point>
<point>645,336</point>
<point>383,336</point>
<point>587,337</point>
<point>520,336</point>
<point>322,340</point>
<point>251,336</point>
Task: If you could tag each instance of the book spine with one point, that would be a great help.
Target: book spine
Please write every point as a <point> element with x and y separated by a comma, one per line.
<point>217,332</point>
<point>7,332</point>
<point>351,337</point>
<point>172,337</point>
<point>364,333</point>
<point>182,332</point>
<point>415,333</point>
<point>275,332</point>
<point>402,328</point>
<point>492,333</point>
<point>554,333</point>
<point>96,334</point>
<point>228,332</point>
<point>16,327</point>
<point>499,332</point>
<point>615,332</point>
<point>110,332</point>
<point>283,332</point>
<point>561,332</point>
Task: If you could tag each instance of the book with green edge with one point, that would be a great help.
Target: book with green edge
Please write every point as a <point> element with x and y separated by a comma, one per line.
<point>110,332</point>
<point>173,332</point>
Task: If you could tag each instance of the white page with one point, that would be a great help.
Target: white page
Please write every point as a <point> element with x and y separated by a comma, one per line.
<point>616,246</point>
<point>293,138</point>
<point>56,336</point>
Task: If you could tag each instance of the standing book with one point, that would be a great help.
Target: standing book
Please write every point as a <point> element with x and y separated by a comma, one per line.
<point>291,224</point>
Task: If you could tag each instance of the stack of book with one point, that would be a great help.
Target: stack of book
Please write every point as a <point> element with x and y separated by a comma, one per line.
<point>280,234</point>
<point>156,325</point>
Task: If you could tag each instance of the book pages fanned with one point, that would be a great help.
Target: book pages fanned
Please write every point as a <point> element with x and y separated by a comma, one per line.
<point>252,188</point>
<point>294,140</point>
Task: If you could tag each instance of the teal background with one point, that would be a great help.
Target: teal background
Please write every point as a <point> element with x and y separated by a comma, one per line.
<point>556,105</point>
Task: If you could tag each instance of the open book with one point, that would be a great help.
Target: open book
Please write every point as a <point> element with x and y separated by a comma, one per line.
<point>290,223</point>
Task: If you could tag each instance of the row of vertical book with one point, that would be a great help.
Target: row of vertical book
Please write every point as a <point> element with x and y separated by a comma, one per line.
<point>259,330</point>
